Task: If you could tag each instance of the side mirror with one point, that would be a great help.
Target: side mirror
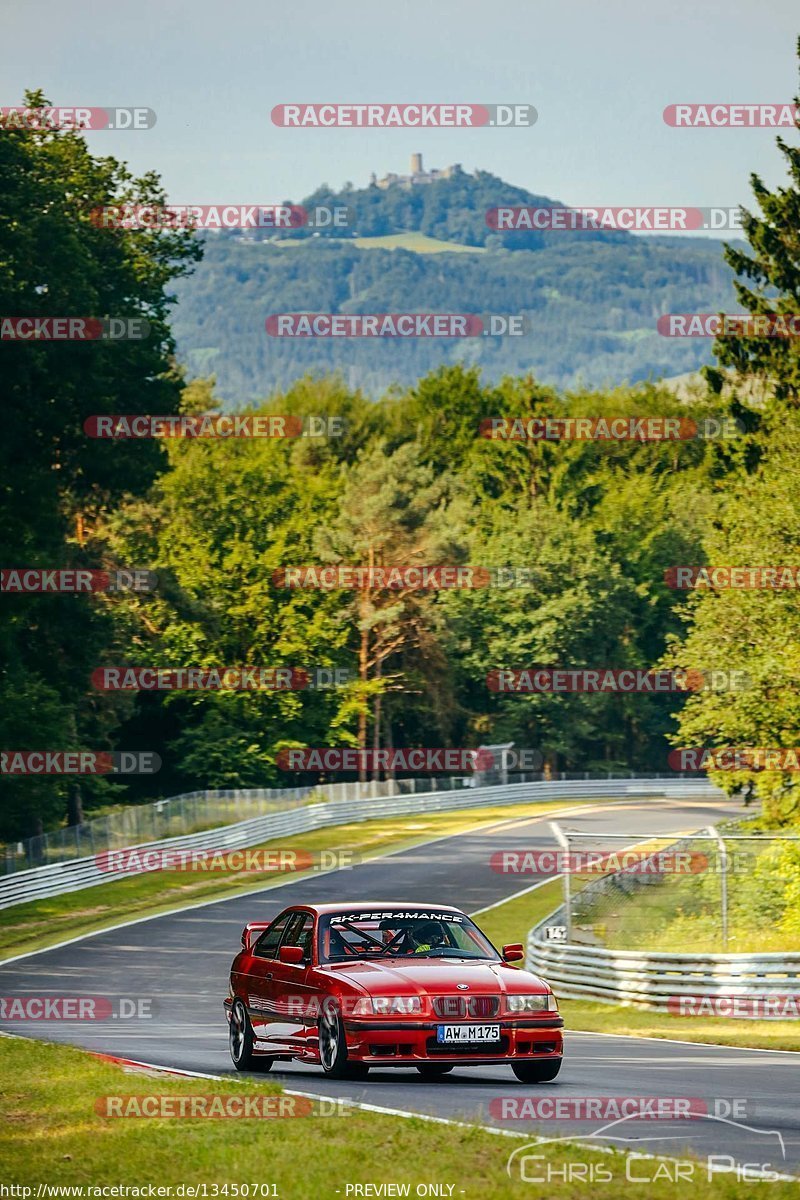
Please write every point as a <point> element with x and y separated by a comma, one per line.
<point>291,954</point>
<point>514,952</point>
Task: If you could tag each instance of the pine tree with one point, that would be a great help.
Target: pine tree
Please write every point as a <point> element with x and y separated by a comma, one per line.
<point>769,282</point>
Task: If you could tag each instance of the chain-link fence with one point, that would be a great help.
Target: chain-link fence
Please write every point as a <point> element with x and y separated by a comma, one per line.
<point>722,890</point>
<point>139,824</point>
<point>195,811</point>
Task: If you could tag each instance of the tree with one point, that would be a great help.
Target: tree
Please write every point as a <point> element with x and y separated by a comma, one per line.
<point>575,609</point>
<point>771,275</point>
<point>753,630</point>
<point>394,511</point>
<point>217,527</point>
<point>55,482</point>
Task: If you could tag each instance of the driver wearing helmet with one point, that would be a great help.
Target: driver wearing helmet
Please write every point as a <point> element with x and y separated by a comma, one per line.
<point>427,935</point>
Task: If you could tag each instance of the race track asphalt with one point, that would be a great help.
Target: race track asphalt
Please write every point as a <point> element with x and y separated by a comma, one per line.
<point>181,961</point>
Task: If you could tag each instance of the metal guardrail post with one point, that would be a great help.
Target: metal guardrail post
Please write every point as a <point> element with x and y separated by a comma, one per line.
<point>563,842</point>
<point>723,863</point>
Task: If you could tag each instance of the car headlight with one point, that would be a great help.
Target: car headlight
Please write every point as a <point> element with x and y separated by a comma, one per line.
<point>545,1002</point>
<point>384,1006</point>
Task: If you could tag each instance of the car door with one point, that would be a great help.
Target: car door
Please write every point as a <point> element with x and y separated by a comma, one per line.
<point>292,996</point>
<point>260,997</point>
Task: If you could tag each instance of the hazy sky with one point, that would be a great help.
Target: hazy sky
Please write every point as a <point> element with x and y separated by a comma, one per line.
<point>599,72</point>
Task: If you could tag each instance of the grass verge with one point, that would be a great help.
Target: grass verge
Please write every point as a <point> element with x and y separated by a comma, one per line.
<point>52,1133</point>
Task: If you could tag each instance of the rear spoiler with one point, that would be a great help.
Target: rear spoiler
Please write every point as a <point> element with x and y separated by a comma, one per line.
<point>251,931</point>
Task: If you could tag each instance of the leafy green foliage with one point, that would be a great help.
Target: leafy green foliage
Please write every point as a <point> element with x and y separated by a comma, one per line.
<point>768,281</point>
<point>55,482</point>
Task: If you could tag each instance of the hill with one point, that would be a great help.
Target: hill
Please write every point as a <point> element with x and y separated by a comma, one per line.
<point>591,299</point>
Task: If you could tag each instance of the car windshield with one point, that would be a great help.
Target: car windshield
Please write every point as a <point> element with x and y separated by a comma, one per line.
<point>413,933</point>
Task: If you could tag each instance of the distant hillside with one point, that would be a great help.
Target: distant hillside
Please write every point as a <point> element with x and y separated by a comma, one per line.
<point>452,209</point>
<point>591,299</point>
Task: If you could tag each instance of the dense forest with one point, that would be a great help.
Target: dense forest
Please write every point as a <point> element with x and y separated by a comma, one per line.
<point>591,308</point>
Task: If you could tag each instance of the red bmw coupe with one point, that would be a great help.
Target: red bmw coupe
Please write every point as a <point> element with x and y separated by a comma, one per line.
<point>354,986</point>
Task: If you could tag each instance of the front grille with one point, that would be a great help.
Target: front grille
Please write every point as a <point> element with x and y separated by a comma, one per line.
<point>483,1006</point>
<point>451,1007</point>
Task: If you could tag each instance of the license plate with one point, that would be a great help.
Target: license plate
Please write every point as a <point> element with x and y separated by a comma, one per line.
<point>467,1033</point>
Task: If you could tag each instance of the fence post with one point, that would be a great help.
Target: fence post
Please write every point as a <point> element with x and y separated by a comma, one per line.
<point>563,842</point>
<point>723,881</point>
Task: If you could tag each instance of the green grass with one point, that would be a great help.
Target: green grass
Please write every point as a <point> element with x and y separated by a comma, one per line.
<point>51,1132</point>
<point>41,923</point>
<point>639,1022</point>
<point>685,910</point>
<point>677,915</point>
<point>419,243</point>
<point>511,921</point>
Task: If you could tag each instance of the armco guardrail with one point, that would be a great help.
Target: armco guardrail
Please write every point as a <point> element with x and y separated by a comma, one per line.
<point>71,876</point>
<point>657,980</point>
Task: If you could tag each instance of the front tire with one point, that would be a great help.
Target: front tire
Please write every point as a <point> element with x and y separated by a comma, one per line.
<point>241,1041</point>
<point>433,1070</point>
<point>333,1046</point>
<point>537,1072</point>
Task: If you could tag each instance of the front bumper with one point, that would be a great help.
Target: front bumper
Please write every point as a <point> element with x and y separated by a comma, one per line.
<point>395,1043</point>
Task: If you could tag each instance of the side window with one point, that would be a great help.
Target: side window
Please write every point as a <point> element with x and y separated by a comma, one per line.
<point>267,944</point>
<point>299,933</point>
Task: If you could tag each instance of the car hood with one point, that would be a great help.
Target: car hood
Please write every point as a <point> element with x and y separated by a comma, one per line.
<point>435,977</point>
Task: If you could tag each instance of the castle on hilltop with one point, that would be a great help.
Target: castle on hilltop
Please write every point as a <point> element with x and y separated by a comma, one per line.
<point>417,176</point>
